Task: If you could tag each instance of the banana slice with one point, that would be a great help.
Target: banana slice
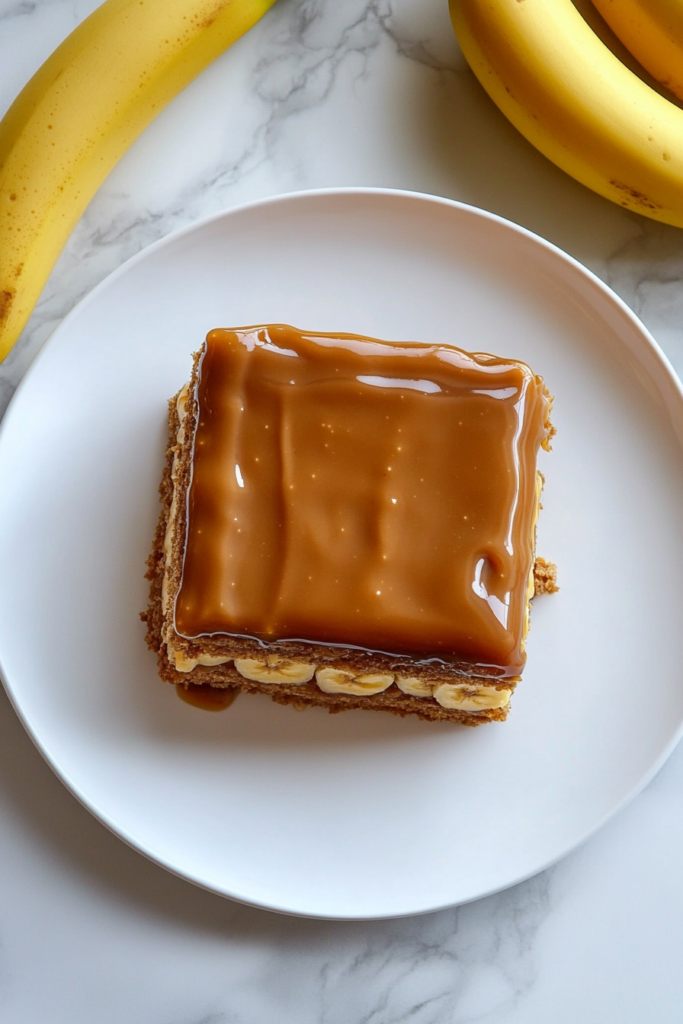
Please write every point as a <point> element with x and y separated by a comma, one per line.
<point>336,680</point>
<point>463,697</point>
<point>184,664</point>
<point>181,408</point>
<point>212,659</point>
<point>414,686</point>
<point>275,670</point>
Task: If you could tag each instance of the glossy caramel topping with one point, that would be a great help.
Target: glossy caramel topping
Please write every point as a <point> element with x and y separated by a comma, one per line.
<point>366,493</point>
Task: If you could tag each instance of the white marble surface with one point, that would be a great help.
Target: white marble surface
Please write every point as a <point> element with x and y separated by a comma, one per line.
<point>364,92</point>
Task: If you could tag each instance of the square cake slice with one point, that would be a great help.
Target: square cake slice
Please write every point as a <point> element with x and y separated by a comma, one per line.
<point>350,523</point>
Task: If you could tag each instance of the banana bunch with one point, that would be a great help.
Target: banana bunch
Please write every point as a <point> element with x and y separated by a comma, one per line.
<point>575,101</point>
<point>79,114</point>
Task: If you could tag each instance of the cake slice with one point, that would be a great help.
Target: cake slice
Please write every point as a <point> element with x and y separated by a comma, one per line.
<point>350,523</point>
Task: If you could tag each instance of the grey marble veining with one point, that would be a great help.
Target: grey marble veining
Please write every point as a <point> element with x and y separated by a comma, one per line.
<point>647,272</point>
<point>368,92</point>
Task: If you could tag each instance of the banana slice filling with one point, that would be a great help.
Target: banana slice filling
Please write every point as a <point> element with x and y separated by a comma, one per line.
<point>464,697</point>
<point>278,670</point>
<point>275,670</point>
<point>336,680</point>
<point>184,664</point>
<point>414,686</point>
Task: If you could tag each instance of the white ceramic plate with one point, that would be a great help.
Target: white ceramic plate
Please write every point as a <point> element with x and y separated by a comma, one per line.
<point>354,815</point>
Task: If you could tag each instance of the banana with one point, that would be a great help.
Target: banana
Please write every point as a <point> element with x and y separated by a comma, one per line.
<point>564,90</point>
<point>596,21</point>
<point>472,698</point>
<point>79,114</point>
<point>653,32</point>
<point>414,686</point>
<point>275,670</point>
<point>337,680</point>
<point>184,664</point>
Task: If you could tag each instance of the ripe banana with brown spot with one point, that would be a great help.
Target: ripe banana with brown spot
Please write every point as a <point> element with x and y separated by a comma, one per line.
<point>558,83</point>
<point>79,114</point>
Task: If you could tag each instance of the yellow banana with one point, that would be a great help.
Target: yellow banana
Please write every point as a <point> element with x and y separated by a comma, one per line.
<point>596,21</point>
<point>653,32</point>
<point>558,83</point>
<point>81,111</point>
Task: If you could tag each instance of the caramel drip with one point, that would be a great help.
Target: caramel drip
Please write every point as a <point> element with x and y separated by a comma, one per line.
<point>208,698</point>
<point>356,492</point>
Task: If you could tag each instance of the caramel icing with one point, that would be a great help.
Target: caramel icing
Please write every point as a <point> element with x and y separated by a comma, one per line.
<point>362,493</point>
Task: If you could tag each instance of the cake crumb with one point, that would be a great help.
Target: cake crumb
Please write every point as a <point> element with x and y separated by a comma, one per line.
<point>545,577</point>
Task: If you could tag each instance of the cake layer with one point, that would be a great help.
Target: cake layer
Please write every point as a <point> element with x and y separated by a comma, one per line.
<point>349,539</point>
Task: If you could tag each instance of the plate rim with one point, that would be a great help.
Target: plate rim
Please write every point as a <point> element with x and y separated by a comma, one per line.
<point>556,253</point>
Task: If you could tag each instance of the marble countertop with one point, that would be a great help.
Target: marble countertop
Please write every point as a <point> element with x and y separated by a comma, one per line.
<point>322,93</point>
